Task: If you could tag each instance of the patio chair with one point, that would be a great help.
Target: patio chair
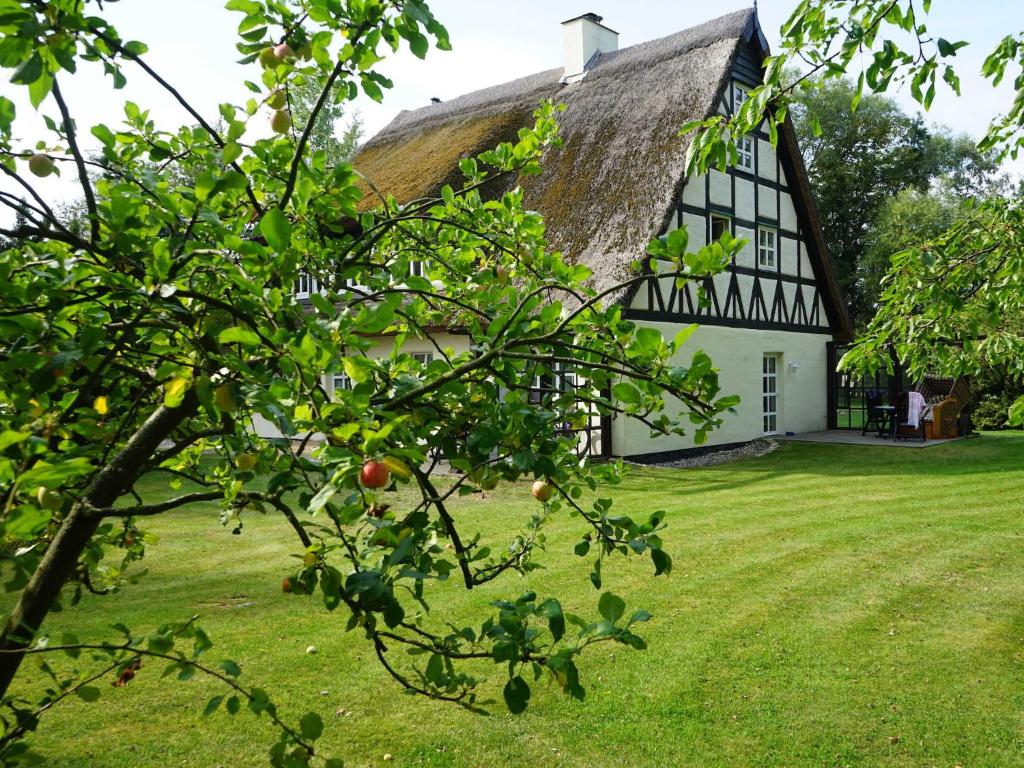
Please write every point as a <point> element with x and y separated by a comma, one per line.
<point>876,418</point>
<point>905,428</point>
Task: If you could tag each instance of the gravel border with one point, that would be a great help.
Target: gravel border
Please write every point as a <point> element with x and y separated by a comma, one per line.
<point>751,450</point>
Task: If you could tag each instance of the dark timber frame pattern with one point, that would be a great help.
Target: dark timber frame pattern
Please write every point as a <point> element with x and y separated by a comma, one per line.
<point>767,307</point>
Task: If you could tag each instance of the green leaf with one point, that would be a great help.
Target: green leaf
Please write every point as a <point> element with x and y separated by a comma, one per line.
<point>231,669</point>
<point>611,607</point>
<point>28,71</point>
<point>211,705</point>
<point>277,230</point>
<point>88,693</point>
<point>626,392</point>
<point>419,45</point>
<point>662,562</point>
<point>238,335</point>
<point>551,609</point>
<point>9,437</point>
<point>311,726</point>
<point>516,694</point>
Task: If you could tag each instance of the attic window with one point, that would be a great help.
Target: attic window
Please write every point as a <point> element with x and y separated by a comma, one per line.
<point>739,95</point>
<point>745,148</point>
<point>719,226</point>
<point>766,248</point>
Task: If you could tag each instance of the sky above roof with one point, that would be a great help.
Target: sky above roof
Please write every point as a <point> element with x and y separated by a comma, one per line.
<point>191,44</point>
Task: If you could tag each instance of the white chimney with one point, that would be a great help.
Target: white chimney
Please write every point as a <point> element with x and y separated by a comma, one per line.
<point>585,36</point>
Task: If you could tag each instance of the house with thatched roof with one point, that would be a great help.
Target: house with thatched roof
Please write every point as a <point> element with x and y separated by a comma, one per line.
<point>619,181</point>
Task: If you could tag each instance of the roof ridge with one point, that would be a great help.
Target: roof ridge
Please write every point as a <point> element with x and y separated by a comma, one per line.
<point>527,85</point>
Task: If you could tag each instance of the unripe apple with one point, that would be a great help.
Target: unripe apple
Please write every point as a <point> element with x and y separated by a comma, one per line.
<point>501,275</point>
<point>245,462</point>
<point>281,121</point>
<point>309,559</point>
<point>48,499</point>
<point>283,52</point>
<point>41,165</point>
<point>374,474</point>
<point>224,398</point>
<point>542,491</point>
<point>305,52</point>
<point>286,584</point>
<point>489,482</point>
<point>277,99</point>
<point>268,58</point>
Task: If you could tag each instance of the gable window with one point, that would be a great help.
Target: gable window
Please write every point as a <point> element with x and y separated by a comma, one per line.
<point>766,248</point>
<point>745,148</point>
<point>719,226</point>
<point>739,95</point>
<point>341,381</point>
<point>305,285</point>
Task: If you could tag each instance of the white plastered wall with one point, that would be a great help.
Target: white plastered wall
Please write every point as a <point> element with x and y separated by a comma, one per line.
<point>450,342</point>
<point>737,354</point>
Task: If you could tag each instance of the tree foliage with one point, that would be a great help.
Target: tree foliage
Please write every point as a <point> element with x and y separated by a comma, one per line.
<point>859,161</point>
<point>950,304</point>
<point>146,341</point>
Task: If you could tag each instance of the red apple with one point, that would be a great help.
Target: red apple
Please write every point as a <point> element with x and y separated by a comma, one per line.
<point>542,491</point>
<point>41,165</point>
<point>374,474</point>
<point>281,121</point>
<point>286,584</point>
<point>283,51</point>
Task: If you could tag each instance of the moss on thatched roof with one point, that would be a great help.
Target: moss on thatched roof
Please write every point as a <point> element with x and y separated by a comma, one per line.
<point>611,187</point>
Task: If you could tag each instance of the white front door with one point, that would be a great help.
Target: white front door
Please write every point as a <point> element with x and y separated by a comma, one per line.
<point>770,393</point>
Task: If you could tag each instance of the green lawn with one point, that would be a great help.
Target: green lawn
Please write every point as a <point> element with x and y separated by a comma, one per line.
<point>829,606</point>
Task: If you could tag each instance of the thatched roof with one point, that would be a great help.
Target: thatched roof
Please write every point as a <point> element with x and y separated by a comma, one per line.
<point>612,186</point>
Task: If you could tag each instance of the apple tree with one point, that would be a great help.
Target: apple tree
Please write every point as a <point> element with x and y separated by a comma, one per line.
<point>142,339</point>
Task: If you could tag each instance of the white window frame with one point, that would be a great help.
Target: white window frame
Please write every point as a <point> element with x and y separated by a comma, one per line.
<point>767,248</point>
<point>306,285</point>
<point>770,364</point>
<point>340,382</point>
<point>739,95</point>
<point>720,217</point>
<point>745,149</point>
<point>418,268</point>
<point>423,358</point>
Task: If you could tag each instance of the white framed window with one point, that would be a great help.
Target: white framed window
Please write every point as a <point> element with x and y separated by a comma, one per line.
<point>719,226</point>
<point>340,382</point>
<point>766,248</point>
<point>418,269</point>
<point>770,394</point>
<point>745,148</point>
<point>305,285</point>
<point>423,358</point>
<point>739,95</point>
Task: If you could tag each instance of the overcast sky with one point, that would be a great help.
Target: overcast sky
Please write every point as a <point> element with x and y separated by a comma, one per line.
<point>191,44</point>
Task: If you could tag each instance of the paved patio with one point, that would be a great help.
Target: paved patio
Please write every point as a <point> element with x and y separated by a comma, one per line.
<point>854,437</point>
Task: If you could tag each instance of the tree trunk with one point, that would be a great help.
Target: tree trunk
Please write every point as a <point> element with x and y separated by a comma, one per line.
<point>61,557</point>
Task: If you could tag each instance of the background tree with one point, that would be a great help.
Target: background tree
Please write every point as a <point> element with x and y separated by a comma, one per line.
<point>859,161</point>
<point>950,304</point>
<point>143,342</point>
<point>338,140</point>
